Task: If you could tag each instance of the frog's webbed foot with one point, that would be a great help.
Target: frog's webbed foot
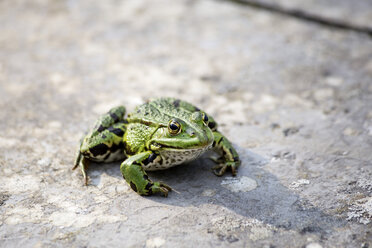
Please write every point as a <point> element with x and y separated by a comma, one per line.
<point>161,187</point>
<point>221,168</point>
<point>137,178</point>
<point>228,160</point>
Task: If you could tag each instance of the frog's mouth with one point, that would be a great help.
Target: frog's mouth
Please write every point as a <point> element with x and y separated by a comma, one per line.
<point>191,144</point>
<point>168,147</point>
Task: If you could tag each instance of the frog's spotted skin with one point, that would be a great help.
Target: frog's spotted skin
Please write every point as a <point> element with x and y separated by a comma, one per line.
<point>175,157</point>
<point>159,134</point>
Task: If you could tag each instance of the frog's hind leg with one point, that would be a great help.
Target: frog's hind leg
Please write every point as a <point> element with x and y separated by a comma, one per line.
<point>104,142</point>
<point>136,176</point>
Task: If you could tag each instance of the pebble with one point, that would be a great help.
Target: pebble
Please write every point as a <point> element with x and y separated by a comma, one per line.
<point>44,162</point>
<point>350,131</point>
<point>209,192</point>
<point>155,242</point>
<point>323,94</point>
<point>242,184</point>
<point>299,183</point>
<point>314,245</point>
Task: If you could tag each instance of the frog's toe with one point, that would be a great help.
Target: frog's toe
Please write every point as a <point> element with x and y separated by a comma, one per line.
<point>83,163</point>
<point>85,178</point>
<point>161,187</point>
<point>220,169</point>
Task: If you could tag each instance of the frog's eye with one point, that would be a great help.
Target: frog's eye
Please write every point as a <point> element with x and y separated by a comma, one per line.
<point>205,119</point>
<point>174,127</point>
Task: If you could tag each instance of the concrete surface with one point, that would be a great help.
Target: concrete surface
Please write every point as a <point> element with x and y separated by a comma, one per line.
<point>294,97</point>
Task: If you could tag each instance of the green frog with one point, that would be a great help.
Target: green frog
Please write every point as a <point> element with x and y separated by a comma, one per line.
<point>159,134</point>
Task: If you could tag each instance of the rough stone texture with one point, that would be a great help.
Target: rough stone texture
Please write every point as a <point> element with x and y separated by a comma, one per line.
<point>294,97</point>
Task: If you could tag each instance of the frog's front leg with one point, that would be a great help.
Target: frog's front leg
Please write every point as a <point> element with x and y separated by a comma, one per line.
<point>229,159</point>
<point>136,176</point>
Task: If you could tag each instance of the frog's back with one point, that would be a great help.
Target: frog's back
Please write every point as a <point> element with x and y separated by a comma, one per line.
<point>160,111</point>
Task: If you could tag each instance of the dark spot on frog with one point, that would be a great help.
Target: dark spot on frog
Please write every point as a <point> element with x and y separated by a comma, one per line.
<point>99,149</point>
<point>146,177</point>
<point>117,131</point>
<point>148,188</point>
<point>146,113</point>
<point>231,151</point>
<point>219,142</point>
<point>150,158</point>
<point>115,147</point>
<point>211,125</point>
<point>148,185</point>
<point>124,144</point>
<point>114,117</point>
<point>107,156</point>
<point>100,128</point>
<point>133,186</point>
<point>214,143</point>
<point>176,103</point>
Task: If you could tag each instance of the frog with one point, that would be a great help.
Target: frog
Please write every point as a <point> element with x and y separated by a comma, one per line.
<point>157,135</point>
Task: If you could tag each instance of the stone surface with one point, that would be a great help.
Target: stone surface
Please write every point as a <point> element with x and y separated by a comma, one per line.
<point>294,97</point>
<point>358,13</point>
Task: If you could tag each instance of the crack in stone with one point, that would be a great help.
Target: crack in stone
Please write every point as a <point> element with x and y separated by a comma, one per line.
<point>299,14</point>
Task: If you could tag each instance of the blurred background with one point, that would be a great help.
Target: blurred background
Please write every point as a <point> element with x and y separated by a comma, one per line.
<point>289,82</point>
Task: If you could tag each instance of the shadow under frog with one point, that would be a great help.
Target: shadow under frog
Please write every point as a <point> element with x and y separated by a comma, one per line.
<point>270,202</point>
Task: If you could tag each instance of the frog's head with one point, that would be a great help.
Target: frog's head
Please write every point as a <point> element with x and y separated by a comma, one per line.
<point>190,133</point>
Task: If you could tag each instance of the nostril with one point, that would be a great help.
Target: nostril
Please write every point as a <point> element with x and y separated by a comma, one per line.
<point>190,132</point>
